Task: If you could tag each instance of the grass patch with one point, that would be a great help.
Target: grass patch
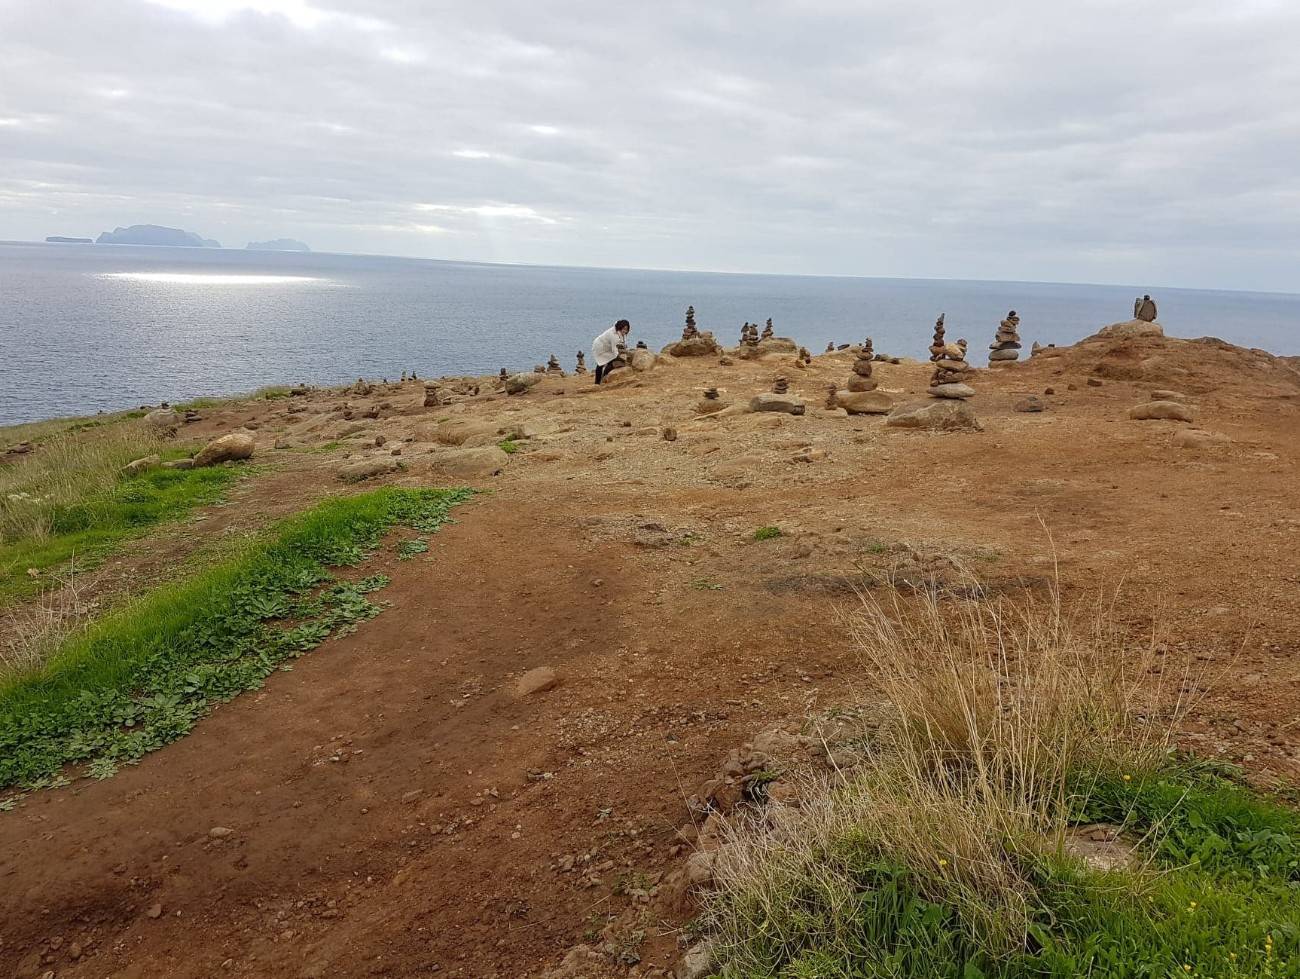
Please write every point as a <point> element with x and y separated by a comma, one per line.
<point>767,533</point>
<point>949,854</point>
<point>509,446</point>
<point>706,584</point>
<point>84,513</point>
<point>144,675</point>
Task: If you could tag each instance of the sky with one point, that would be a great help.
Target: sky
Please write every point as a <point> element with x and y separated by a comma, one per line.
<point>1095,141</point>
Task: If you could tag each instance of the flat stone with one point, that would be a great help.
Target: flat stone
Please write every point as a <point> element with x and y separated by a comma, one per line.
<point>1007,353</point>
<point>1164,411</point>
<point>520,383</point>
<point>936,416</point>
<point>537,680</point>
<point>787,403</point>
<point>1168,396</point>
<point>220,832</point>
<point>1029,404</point>
<point>472,463</point>
<point>1197,438</point>
<point>362,469</point>
<point>140,465</point>
<point>952,390</point>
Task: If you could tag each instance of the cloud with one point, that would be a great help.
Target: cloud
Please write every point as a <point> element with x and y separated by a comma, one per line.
<point>1095,141</point>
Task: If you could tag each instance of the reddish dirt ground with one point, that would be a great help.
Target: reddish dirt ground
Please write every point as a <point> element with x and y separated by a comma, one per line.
<point>397,811</point>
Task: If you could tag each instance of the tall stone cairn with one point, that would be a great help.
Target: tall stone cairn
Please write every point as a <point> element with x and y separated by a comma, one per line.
<point>861,379</point>
<point>832,400</point>
<point>951,372</point>
<point>553,366</point>
<point>780,385</point>
<point>582,364</point>
<point>936,345</point>
<point>768,332</point>
<point>805,355</point>
<point>1005,347</point>
<point>501,378</point>
<point>689,330</point>
<point>830,346</point>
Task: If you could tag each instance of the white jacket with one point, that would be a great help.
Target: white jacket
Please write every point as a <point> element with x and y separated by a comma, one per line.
<point>605,349</point>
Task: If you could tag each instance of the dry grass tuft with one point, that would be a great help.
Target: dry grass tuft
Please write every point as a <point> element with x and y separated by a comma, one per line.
<point>992,710</point>
<point>30,632</point>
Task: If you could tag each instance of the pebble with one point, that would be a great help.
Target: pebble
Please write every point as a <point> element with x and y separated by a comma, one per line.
<point>220,832</point>
<point>155,911</point>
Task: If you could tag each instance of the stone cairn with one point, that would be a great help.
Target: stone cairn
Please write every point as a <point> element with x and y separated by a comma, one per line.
<point>711,394</point>
<point>503,375</point>
<point>1005,347</point>
<point>641,345</point>
<point>780,385</point>
<point>553,366</point>
<point>937,344</point>
<point>951,371</point>
<point>689,331</point>
<point>832,401</point>
<point>767,330</point>
<point>861,379</point>
<point>582,364</point>
<point>830,346</point>
<point>432,394</point>
<point>805,355</point>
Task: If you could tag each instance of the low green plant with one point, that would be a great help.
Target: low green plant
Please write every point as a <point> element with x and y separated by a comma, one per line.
<point>408,549</point>
<point>767,533</point>
<point>144,675</point>
<point>706,584</point>
<point>508,446</point>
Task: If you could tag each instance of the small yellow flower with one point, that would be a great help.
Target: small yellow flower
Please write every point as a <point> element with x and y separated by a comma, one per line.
<point>1191,906</point>
<point>1186,967</point>
<point>1128,778</point>
<point>943,862</point>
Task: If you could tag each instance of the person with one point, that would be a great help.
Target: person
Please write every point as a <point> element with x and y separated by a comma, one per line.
<point>604,351</point>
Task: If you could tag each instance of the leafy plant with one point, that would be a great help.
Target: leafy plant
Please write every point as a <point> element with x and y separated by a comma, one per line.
<point>508,446</point>
<point>767,533</point>
<point>408,549</point>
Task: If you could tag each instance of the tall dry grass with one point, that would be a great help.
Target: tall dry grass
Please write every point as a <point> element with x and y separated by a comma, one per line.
<point>66,469</point>
<point>993,710</point>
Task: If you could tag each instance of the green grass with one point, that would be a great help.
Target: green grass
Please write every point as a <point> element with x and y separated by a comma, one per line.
<point>767,533</point>
<point>90,528</point>
<point>509,446</point>
<point>1218,895</point>
<point>146,673</point>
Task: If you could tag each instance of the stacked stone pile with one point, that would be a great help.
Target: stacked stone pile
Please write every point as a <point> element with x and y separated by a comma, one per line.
<point>951,372</point>
<point>861,379</point>
<point>1005,347</point>
<point>582,364</point>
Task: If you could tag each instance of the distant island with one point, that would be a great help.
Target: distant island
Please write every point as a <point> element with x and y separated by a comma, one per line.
<point>152,234</point>
<point>279,245</point>
<point>61,240</point>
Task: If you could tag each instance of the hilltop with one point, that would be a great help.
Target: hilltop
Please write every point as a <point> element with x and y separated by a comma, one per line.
<point>496,768</point>
<point>153,234</point>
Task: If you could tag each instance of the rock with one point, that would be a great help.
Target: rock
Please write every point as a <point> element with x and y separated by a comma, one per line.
<point>162,422</point>
<point>1005,356</point>
<point>155,910</point>
<point>472,463</point>
<point>1168,396</point>
<point>938,416</point>
<point>1164,411</point>
<point>952,391</point>
<point>536,680</point>
<point>739,466</point>
<point>140,465</point>
<point>864,402</point>
<point>709,406</point>
<point>697,963</point>
<point>778,345</point>
<point>1196,438</point>
<point>362,469</point>
<point>283,443</point>
<point>1131,328</point>
<point>220,832</point>
<point>809,455</point>
<point>1092,382</point>
<point>228,448</point>
<point>1029,404</point>
<point>460,431</point>
<point>520,383</point>
<point>700,345</point>
<point>787,403</point>
<point>179,464</point>
<point>669,434</point>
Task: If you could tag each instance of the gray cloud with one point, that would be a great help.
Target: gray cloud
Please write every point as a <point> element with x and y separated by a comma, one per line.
<point>1104,142</point>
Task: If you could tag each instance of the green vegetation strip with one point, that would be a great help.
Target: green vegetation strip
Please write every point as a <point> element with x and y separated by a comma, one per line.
<point>1217,894</point>
<point>144,675</point>
<point>90,528</point>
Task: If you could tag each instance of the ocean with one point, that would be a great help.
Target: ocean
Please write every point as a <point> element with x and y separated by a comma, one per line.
<point>86,328</point>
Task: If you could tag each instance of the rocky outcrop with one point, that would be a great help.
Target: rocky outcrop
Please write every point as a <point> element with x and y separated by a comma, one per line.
<point>1129,329</point>
<point>788,403</point>
<point>700,345</point>
<point>1163,411</point>
<point>864,402</point>
<point>935,416</point>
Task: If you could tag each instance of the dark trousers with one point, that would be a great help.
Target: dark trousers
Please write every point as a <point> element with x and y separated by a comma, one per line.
<point>604,371</point>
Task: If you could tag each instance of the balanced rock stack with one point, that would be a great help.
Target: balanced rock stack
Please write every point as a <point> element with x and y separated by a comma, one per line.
<point>768,333</point>
<point>780,386</point>
<point>805,355</point>
<point>582,364</point>
<point>951,372</point>
<point>1005,347</point>
<point>432,396</point>
<point>711,404</point>
<point>861,379</point>
<point>831,400</point>
<point>830,347</point>
<point>553,366</point>
<point>689,330</point>
<point>937,344</point>
<point>503,375</point>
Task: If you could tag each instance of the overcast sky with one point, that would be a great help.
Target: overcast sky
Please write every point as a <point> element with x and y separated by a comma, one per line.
<point>1155,141</point>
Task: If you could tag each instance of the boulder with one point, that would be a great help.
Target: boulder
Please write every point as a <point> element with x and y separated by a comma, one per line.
<point>355,472</point>
<point>778,345</point>
<point>537,680</point>
<point>1029,404</point>
<point>1197,438</point>
<point>864,402</point>
<point>641,359</point>
<point>471,463</point>
<point>709,406</point>
<point>787,403</point>
<point>952,390</point>
<point>935,416</point>
<point>1131,328</point>
<point>1005,355</point>
<point>702,345</point>
<point>520,383</point>
<point>227,448</point>
<point>162,422</point>
<point>1163,411</point>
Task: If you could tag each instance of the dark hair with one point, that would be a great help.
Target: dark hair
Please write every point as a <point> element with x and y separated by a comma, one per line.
<point>623,325</point>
